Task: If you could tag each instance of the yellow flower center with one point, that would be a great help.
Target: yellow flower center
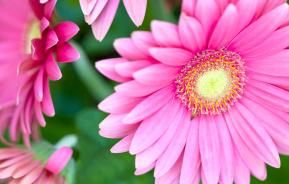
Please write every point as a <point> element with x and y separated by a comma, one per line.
<point>33,32</point>
<point>211,82</point>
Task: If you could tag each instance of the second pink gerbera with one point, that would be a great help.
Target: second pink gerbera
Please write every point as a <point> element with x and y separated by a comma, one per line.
<point>31,47</point>
<point>207,99</point>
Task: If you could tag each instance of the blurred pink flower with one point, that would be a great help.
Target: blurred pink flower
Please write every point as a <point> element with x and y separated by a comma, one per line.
<point>100,13</point>
<point>206,99</point>
<point>22,166</point>
<point>30,47</point>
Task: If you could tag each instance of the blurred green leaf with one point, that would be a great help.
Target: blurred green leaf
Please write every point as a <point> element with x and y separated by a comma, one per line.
<point>98,87</point>
<point>96,164</point>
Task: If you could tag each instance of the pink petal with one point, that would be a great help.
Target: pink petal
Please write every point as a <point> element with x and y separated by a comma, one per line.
<point>52,69</point>
<point>174,150</point>
<point>260,29</point>
<point>117,103</point>
<point>276,65</point>
<point>226,28</point>
<point>254,163</point>
<point>157,74</point>
<point>143,40</point>
<point>171,56</point>
<point>127,69</point>
<point>165,34</point>
<point>25,169</point>
<point>269,120</point>
<point>201,13</point>
<point>191,33</point>
<point>257,137</point>
<point>210,150</point>
<point>142,171</point>
<point>136,10</point>
<point>32,176</point>
<point>107,67</point>
<point>277,100</point>
<point>51,39</point>
<point>47,104</point>
<point>66,53</point>
<point>96,12</point>
<point>66,30</point>
<point>247,10</point>
<point>153,153</point>
<point>155,126</point>
<point>112,127</point>
<point>38,114</point>
<point>136,89</point>
<point>128,49</point>
<point>123,145</point>
<point>149,106</point>
<point>172,176</point>
<point>58,160</point>
<point>38,86</point>
<point>272,45</point>
<point>242,173</point>
<point>191,161</point>
<point>227,151</point>
<point>104,21</point>
<point>87,6</point>
<point>188,6</point>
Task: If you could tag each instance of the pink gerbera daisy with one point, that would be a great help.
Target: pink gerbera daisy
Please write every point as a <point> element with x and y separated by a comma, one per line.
<point>206,99</point>
<point>27,166</point>
<point>30,47</point>
<point>100,13</point>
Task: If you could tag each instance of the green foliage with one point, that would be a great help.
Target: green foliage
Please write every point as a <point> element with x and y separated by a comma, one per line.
<point>96,163</point>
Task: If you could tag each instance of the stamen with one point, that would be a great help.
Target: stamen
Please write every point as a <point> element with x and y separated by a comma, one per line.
<point>211,82</point>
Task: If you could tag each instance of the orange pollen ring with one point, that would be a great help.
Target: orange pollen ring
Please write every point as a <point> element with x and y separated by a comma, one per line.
<point>229,63</point>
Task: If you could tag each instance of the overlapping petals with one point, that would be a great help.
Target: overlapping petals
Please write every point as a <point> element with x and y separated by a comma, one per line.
<point>23,166</point>
<point>32,47</point>
<point>155,126</point>
<point>100,13</point>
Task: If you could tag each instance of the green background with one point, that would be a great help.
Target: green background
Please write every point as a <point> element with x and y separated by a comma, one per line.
<point>76,97</point>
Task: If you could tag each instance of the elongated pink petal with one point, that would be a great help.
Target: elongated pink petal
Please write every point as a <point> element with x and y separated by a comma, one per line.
<point>118,103</point>
<point>191,161</point>
<point>157,74</point>
<point>127,49</point>
<point>165,34</point>
<point>259,30</point>
<point>67,53</point>
<point>108,68</point>
<point>58,160</point>
<point>137,89</point>
<point>171,56</point>
<point>104,21</point>
<point>96,11</point>
<point>226,28</point>
<point>191,33</point>
<point>149,106</point>
<point>136,10</point>
<point>155,126</point>
<point>210,149</point>
<point>66,30</point>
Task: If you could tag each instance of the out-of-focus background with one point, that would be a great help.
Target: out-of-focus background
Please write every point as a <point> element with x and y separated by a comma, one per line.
<point>76,97</point>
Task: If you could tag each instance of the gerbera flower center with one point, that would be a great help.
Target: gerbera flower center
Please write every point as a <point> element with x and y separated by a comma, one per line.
<point>211,82</point>
<point>33,32</point>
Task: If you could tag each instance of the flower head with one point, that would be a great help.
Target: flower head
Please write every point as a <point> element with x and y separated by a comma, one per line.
<point>19,165</point>
<point>100,14</point>
<point>207,99</point>
<point>31,47</point>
